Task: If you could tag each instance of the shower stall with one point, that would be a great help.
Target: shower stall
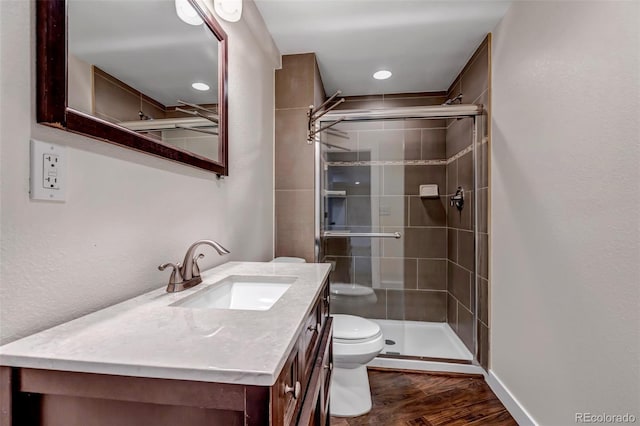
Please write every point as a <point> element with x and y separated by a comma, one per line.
<point>396,218</point>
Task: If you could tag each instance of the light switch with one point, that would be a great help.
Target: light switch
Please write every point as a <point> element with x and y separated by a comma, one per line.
<point>47,180</point>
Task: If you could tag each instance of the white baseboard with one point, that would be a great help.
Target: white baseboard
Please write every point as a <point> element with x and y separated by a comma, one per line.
<point>516,410</point>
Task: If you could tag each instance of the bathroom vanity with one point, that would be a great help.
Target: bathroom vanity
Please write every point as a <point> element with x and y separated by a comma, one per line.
<point>174,359</point>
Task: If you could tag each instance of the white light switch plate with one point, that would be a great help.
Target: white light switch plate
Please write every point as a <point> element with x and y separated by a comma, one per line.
<point>47,180</point>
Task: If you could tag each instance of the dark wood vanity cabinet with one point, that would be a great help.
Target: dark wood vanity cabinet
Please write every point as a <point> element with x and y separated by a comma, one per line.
<point>307,372</point>
<point>300,396</point>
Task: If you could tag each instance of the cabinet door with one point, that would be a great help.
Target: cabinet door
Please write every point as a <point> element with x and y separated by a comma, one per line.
<point>286,392</point>
<point>326,363</point>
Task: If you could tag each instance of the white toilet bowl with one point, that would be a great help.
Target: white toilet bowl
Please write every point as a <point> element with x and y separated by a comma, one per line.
<point>356,341</point>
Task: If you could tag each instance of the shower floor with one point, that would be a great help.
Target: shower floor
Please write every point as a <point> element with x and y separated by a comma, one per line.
<point>422,339</point>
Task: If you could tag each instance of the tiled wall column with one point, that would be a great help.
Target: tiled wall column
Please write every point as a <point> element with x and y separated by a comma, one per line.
<point>474,83</point>
<point>298,85</point>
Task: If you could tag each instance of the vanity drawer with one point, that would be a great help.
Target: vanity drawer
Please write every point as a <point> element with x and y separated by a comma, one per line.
<point>313,328</point>
<point>309,339</point>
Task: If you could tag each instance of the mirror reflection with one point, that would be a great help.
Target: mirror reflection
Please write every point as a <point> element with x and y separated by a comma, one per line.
<point>149,66</point>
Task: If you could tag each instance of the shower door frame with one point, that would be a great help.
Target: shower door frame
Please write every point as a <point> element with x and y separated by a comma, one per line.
<point>440,111</point>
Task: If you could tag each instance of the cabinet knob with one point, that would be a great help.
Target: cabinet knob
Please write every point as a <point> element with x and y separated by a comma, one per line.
<point>295,390</point>
<point>316,327</point>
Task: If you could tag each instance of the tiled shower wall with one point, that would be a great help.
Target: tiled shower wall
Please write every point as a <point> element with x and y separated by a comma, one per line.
<point>474,83</point>
<point>298,85</point>
<point>408,275</point>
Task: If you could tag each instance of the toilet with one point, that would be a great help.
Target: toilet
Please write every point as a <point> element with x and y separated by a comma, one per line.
<point>356,342</point>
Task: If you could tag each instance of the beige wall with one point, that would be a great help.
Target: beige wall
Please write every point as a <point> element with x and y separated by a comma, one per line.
<point>126,212</point>
<point>565,316</point>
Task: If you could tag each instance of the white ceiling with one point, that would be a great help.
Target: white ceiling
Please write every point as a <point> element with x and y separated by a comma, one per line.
<point>144,44</point>
<point>424,43</point>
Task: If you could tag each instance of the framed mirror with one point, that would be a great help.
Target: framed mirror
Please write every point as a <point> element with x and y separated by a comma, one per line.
<point>147,75</point>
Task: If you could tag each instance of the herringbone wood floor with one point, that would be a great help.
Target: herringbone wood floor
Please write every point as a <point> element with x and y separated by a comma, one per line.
<point>430,400</point>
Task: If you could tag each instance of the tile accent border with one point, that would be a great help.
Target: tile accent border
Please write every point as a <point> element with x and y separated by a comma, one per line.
<point>442,162</point>
<point>460,154</point>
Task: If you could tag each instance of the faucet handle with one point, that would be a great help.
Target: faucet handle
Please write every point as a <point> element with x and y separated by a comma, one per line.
<point>175,273</point>
<point>196,268</point>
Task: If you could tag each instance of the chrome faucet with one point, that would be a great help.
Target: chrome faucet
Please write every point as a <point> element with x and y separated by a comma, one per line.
<point>187,274</point>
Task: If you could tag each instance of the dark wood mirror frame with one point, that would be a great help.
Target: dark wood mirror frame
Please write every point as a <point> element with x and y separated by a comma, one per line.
<point>53,110</point>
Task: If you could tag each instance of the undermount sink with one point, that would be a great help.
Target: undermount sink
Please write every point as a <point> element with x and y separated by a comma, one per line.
<point>245,292</point>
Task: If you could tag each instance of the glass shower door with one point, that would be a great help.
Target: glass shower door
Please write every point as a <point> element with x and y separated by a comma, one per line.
<point>371,174</point>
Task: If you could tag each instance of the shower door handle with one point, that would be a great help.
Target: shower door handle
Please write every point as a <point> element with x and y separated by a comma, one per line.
<point>342,234</point>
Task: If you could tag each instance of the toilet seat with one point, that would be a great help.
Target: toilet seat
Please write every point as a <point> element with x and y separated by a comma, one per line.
<point>356,341</point>
<point>346,350</point>
<point>352,329</point>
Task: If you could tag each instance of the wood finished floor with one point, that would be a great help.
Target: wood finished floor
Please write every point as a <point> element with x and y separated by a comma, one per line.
<point>419,399</point>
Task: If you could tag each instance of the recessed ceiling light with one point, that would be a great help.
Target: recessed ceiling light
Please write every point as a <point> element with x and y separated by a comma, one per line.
<point>357,182</point>
<point>200,86</point>
<point>382,75</point>
<point>229,10</point>
<point>187,13</point>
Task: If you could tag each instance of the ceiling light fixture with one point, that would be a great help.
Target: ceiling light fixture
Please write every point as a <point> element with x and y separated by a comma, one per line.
<point>229,10</point>
<point>382,75</point>
<point>187,13</point>
<point>200,86</point>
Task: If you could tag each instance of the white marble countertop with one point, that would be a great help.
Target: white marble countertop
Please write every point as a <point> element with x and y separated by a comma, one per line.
<point>145,337</point>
